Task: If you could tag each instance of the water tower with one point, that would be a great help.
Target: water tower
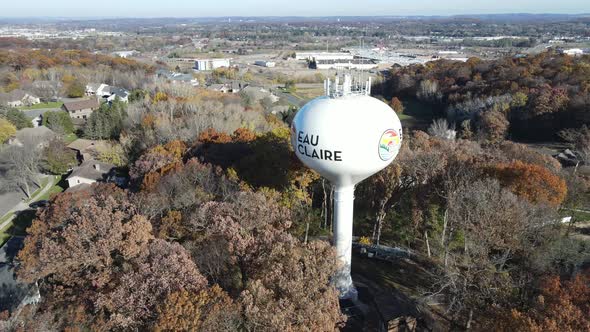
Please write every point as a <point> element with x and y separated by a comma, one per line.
<point>346,136</point>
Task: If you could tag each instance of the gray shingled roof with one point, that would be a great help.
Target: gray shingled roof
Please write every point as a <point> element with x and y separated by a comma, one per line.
<point>88,170</point>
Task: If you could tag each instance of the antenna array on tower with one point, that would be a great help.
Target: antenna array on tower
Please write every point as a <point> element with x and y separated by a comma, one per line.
<point>349,86</point>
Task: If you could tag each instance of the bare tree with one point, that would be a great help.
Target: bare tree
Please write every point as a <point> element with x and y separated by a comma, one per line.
<point>441,128</point>
<point>22,163</point>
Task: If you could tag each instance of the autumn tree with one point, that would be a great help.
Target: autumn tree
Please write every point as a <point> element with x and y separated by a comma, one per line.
<point>397,105</point>
<point>250,235</point>
<point>562,305</point>
<point>77,237</point>
<point>16,117</point>
<point>533,182</point>
<point>57,158</point>
<point>492,125</point>
<point>160,270</point>
<point>208,310</point>
<point>7,130</point>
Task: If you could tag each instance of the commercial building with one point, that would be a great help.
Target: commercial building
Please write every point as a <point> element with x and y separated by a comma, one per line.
<point>311,56</point>
<point>211,64</point>
<point>263,63</point>
<point>361,64</point>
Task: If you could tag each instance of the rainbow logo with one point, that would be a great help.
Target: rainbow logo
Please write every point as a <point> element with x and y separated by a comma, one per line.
<point>389,144</point>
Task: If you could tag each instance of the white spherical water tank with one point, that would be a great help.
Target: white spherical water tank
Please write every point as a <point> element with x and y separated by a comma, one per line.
<point>346,138</point>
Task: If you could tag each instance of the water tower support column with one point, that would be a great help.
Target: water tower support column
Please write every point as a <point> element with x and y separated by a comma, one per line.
<point>343,209</point>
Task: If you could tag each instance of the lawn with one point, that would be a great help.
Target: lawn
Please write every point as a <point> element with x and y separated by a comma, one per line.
<point>55,189</point>
<point>18,226</point>
<point>56,104</point>
<point>69,138</point>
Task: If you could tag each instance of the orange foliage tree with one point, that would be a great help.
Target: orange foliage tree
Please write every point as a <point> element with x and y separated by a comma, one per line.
<point>532,182</point>
<point>561,306</point>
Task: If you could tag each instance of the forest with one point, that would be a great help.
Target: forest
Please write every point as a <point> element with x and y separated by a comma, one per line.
<point>530,98</point>
<point>221,228</point>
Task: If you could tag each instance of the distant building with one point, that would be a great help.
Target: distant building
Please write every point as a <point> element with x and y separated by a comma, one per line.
<point>362,64</point>
<point>263,63</point>
<point>81,109</point>
<point>41,134</point>
<point>17,98</point>
<point>125,54</point>
<point>310,56</point>
<point>211,64</point>
<point>107,92</point>
<point>258,93</point>
<point>233,87</point>
<point>573,52</point>
<point>176,78</point>
<point>91,171</point>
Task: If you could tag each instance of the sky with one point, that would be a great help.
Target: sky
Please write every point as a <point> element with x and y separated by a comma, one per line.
<point>212,8</point>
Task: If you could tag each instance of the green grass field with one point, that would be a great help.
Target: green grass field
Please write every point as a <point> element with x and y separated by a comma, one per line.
<point>69,138</point>
<point>56,104</point>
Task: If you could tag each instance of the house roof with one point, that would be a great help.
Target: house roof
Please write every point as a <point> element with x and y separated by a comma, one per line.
<point>119,92</point>
<point>92,86</point>
<point>14,95</point>
<point>42,133</point>
<point>81,104</point>
<point>81,144</point>
<point>92,170</point>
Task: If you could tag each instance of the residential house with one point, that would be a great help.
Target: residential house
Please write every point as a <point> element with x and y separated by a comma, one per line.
<point>107,92</point>
<point>233,87</point>
<point>81,109</point>
<point>120,93</point>
<point>87,149</point>
<point>40,136</point>
<point>177,78</point>
<point>92,89</point>
<point>17,98</point>
<point>91,171</point>
<point>258,93</point>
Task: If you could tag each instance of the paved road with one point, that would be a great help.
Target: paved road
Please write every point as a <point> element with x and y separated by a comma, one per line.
<point>9,199</point>
<point>24,206</point>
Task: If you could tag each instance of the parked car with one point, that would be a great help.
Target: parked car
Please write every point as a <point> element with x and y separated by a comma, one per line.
<point>39,204</point>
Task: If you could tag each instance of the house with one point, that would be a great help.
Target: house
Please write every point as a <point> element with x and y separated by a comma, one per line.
<point>89,172</point>
<point>125,54</point>
<point>233,87</point>
<point>258,93</point>
<point>81,109</point>
<point>18,98</point>
<point>40,135</point>
<point>177,78</point>
<point>120,93</point>
<point>107,92</point>
<point>93,89</point>
<point>87,149</point>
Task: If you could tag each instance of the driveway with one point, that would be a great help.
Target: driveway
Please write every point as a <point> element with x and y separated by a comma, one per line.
<point>21,206</point>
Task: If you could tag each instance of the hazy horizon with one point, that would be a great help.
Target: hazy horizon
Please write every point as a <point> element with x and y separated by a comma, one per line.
<point>267,8</point>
